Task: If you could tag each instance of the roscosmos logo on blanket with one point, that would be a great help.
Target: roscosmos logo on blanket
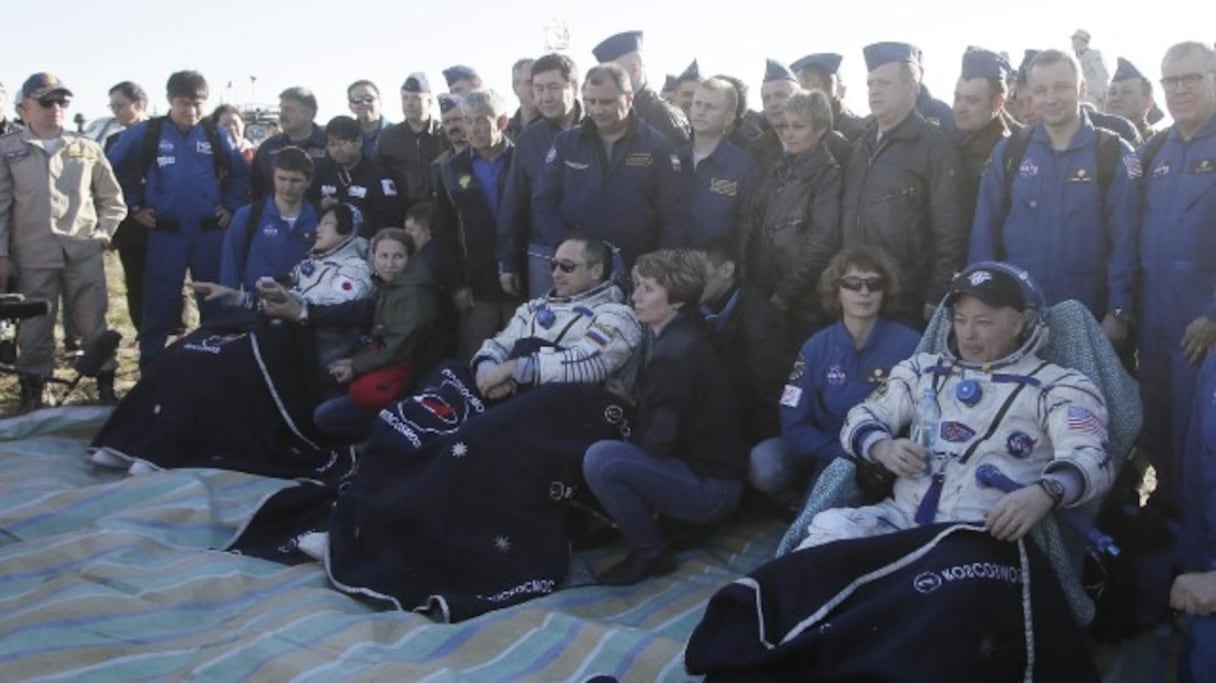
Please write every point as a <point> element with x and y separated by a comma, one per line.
<point>439,408</point>
<point>213,344</point>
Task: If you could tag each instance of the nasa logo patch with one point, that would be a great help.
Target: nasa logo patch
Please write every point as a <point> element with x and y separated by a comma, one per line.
<point>836,376</point>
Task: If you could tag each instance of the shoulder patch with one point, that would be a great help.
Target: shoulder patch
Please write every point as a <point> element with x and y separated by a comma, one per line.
<point>1132,163</point>
<point>799,368</point>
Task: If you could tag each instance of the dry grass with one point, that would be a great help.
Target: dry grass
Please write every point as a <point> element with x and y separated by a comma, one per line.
<point>128,353</point>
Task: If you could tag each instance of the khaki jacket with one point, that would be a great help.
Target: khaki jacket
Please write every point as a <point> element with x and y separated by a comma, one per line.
<point>55,207</point>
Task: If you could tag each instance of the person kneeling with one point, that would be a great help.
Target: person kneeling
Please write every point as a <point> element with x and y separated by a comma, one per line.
<point>686,460</point>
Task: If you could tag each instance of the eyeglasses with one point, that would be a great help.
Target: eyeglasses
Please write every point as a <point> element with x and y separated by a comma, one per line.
<point>366,99</point>
<point>856,284</point>
<point>1183,82</point>
<point>48,102</point>
<point>564,266</point>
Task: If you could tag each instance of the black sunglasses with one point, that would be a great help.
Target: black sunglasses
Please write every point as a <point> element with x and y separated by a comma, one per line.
<point>855,284</point>
<point>564,266</point>
<point>48,102</point>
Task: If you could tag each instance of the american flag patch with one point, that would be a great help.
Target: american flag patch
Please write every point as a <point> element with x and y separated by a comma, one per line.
<point>1081,420</point>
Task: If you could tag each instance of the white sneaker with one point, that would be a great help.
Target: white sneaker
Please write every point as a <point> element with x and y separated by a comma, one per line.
<point>140,467</point>
<point>106,458</point>
<point>314,545</point>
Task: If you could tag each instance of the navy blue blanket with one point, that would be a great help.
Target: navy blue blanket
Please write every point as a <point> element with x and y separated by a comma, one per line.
<point>937,603</point>
<point>455,506</point>
<point>237,397</point>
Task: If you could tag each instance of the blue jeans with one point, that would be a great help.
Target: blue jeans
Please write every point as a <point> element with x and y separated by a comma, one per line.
<point>630,484</point>
<point>343,419</point>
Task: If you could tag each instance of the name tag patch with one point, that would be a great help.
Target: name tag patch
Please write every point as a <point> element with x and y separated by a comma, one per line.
<point>726,188</point>
<point>639,159</point>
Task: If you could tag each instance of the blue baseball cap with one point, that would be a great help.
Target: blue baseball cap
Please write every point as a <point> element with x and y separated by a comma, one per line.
<point>43,84</point>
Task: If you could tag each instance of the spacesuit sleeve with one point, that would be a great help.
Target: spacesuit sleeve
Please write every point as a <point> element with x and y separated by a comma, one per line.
<point>887,411</point>
<point>1075,418</point>
<point>498,348</point>
<point>605,347</point>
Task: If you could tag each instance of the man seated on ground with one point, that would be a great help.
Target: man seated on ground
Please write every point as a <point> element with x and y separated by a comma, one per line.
<point>996,402</point>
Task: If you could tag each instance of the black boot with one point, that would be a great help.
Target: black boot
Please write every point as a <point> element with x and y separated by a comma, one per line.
<point>31,393</point>
<point>105,389</point>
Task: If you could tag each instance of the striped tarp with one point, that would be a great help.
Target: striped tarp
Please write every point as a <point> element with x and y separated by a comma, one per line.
<point>105,577</point>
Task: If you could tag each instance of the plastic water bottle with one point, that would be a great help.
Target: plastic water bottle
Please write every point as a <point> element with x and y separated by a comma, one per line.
<point>928,419</point>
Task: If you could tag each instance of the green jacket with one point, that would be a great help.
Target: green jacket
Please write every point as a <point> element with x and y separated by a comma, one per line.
<point>406,311</point>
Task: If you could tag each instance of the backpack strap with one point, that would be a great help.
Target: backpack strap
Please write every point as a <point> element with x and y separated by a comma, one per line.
<point>1152,147</point>
<point>1109,151</point>
<point>256,210</point>
<point>151,141</point>
<point>148,148</point>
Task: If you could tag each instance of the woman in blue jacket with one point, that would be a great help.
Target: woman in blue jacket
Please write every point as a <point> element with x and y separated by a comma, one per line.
<point>835,370</point>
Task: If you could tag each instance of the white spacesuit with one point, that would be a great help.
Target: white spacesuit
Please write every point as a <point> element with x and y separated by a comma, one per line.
<point>1029,418</point>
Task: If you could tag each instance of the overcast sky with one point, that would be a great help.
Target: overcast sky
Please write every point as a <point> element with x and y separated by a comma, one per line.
<point>326,45</point>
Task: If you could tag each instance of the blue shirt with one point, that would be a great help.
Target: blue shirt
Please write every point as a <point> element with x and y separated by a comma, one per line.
<point>831,376</point>
<point>371,140</point>
<point>487,173</point>
<point>720,189</point>
<point>1057,225</point>
<point>274,249</point>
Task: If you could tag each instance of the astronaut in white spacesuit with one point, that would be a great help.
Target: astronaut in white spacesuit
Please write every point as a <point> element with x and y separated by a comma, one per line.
<point>986,399</point>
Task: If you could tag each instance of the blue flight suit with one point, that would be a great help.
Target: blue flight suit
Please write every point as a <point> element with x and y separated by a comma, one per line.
<point>518,252</point>
<point>1177,281</point>
<point>935,111</point>
<point>182,189</point>
<point>262,181</point>
<point>274,248</point>
<point>1076,243</point>
<point>720,190</point>
<point>635,199</point>
<point>1199,519</point>
<point>831,376</point>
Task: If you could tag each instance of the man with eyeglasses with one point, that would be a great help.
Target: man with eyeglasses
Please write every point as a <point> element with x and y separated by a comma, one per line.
<point>613,176</point>
<point>1066,208</point>
<point>1176,310</point>
<point>408,149</point>
<point>364,99</point>
<point>60,203</point>
<point>555,93</point>
<point>298,128</point>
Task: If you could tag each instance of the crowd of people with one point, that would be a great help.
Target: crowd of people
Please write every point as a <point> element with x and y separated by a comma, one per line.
<point>755,283</point>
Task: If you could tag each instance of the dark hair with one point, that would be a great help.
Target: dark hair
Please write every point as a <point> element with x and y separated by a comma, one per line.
<point>603,74</point>
<point>344,213</point>
<point>301,95</point>
<point>365,83</point>
<point>595,250</point>
<point>343,128</point>
<point>293,158</point>
<point>130,91</point>
<point>559,63</point>
<point>741,89</point>
<point>421,213</point>
<point>869,258</point>
<point>189,84</point>
<point>721,250</point>
<point>225,109</point>
<point>681,272</point>
<point>395,234</point>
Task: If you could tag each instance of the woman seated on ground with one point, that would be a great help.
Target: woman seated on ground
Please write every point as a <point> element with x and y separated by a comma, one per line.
<point>335,271</point>
<point>686,459</point>
<point>837,368</point>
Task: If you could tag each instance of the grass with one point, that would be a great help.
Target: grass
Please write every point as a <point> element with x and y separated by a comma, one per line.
<point>85,392</point>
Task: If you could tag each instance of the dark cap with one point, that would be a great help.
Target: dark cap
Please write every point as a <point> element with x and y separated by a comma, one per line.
<point>447,102</point>
<point>459,72</point>
<point>878,54</point>
<point>416,82</point>
<point>615,46</point>
<point>692,73</point>
<point>343,128</point>
<point>993,286</point>
<point>981,63</point>
<point>670,83</point>
<point>1126,70</point>
<point>827,62</point>
<point>776,71</point>
<point>42,84</point>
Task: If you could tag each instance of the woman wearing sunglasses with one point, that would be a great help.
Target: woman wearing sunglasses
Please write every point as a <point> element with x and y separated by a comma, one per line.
<point>835,370</point>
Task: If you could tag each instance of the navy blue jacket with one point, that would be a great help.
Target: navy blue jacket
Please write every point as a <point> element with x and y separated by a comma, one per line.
<point>1076,243</point>
<point>465,227</point>
<point>515,229</point>
<point>274,250</point>
<point>686,404</point>
<point>635,200</point>
<point>368,187</point>
<point>935,111</point>
<point>261,184</point>
<point>831,376</point>
<point>720,189</point>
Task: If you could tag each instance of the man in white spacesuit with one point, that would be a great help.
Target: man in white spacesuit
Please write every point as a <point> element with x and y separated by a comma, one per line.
<point>986,399</point>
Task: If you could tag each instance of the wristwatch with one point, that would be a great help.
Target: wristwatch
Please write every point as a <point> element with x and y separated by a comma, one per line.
<point>1053,488</point>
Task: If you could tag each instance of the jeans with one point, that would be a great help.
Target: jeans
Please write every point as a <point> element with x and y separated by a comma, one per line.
<point>630,484</point>
<point>776,472</point>
<point>343,419</point>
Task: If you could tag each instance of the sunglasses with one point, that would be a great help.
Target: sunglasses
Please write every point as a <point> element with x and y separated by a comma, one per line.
<point>564,266</point>
<point>856,284</point>
<point>48,102</point>
<point>366,99</point>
